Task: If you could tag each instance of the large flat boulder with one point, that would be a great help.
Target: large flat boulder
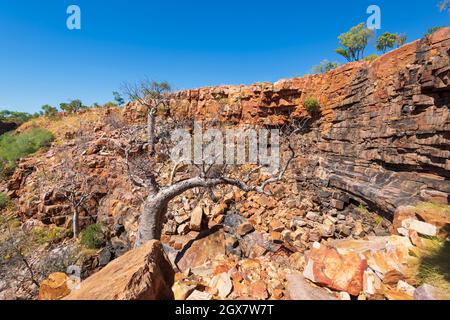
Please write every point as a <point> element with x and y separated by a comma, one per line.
<point>144,273</point>
<point>342,272</point>
<point>205,248</point>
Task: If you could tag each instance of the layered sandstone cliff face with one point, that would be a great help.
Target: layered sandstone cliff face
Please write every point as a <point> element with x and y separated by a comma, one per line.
<point>383,136</point>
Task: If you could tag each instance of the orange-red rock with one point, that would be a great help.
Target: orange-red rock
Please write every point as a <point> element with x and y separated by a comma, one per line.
<point>140,274</point>
<point>342,272</point>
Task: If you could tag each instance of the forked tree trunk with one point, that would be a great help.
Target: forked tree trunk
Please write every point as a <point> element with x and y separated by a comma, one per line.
<point>155,206</point>
<point>151,130</point>
<point>151,219</point>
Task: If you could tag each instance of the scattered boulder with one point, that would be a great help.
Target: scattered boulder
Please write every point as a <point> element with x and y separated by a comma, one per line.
<point>337,204</point>
<point>420,227</point>
<point>245,229</point>
<point>141,274</point>
<point>219,210</point>
<point>198,295</point>
<point>196,219</point>
<point>222,283</point>
<point>55,287</point>
<point>299,289</point>
<point>182,290</point>
<point>205,248</point>
<point>342,272</point>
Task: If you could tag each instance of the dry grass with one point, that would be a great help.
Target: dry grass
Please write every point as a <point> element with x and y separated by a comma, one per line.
<point>60,125</point>
<point>433,207</point>
<point>434,264</point>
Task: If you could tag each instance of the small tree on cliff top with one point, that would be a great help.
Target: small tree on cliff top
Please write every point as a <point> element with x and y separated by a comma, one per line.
<point>73,106</point>
<point>49,111</point>
<point>389,40</point>
<point>325,66</point>
<point>386,41</point>
<point>152,95</point>
<point>354,42</point>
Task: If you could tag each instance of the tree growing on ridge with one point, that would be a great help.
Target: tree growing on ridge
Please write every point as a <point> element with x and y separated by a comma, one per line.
<point>325,66</point>
<point>432,30</point>
<point>118,98</point>
<point>389,40</point>
<point>73,106</point>
<point>152,95</point>
<point>401,39</point>
<point>49,111</point>
<point>386,41</point>
<point>16,116</point>
<point>354,42</point>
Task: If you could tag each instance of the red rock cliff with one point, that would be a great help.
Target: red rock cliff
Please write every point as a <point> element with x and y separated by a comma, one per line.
<point>383,135</point>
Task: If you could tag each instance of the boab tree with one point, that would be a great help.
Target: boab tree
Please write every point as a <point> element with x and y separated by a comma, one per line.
<point>206,174</point>
<point>152,95</point>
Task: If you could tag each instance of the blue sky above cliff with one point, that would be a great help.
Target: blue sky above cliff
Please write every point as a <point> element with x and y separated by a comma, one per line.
<point>189,43</point>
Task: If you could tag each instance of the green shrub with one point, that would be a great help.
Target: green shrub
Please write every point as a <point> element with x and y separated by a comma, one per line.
<point>16,146</point>
<point>93,237</point>
<point>4,200</point>
<point>110,105</point>
<point>49,235</point>
<point>434,267</point>
<point>371,57</point>
<point>432,30</point>
<point>16,116</point>
<point>73,106</point>
<point>49,111</point>
<point>325,66</point>
<point>312,106</point>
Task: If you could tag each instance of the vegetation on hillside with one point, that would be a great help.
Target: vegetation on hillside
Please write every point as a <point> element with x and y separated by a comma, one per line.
<point>432,30</point>
<point>312,106</point>
<point>354,42</point>
<point>15,116</point>
<point>434,265</point>
<point>4,200</point>
<point>49,111</point>
<point>371,57</point>
<point>93,237</point>
<point>325,66</point>
<point>16,146</point>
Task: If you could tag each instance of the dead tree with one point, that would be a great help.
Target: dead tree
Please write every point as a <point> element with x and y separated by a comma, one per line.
<point>15,243</point>
<point>74,185</point>
<point>159,196</point>
<point>152,95</point>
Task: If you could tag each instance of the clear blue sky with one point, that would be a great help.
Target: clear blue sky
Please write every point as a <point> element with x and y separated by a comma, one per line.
<point>189,43</point>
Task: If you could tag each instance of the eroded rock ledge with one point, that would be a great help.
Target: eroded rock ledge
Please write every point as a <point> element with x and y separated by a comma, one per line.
<point>383,136</point>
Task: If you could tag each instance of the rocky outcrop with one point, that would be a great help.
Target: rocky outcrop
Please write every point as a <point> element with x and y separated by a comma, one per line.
<point>141,274</point>
<point>383,133</point>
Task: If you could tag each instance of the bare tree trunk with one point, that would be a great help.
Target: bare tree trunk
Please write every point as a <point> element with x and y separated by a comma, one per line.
<point>151,219</point>
<point>76,223</point>
<point>155,207</point>
<point>151,130</point>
